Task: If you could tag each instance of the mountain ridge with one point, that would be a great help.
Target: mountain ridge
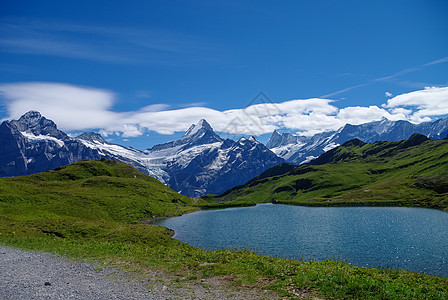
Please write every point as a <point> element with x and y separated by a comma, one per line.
<point>199,162</point>
<point>301,149</point>
<point>410,172</point>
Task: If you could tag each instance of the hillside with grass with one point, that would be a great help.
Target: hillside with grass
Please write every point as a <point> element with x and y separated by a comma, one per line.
<point>87,199</point>
<point>412,172</point>
<point>93,210</point>
<point>105,190</point>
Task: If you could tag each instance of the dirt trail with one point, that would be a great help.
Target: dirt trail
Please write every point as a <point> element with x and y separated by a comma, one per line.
<point>35,275</point>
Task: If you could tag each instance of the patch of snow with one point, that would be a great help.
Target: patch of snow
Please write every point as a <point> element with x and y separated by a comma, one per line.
<point>242,140</point>
<point>287,151</point>
<point>184,157</point>
<point>156,162</point>
<point>220,161</point>
<point>164,153</point>
<point>308,159</point>
<point>330,146</point>
<point>41,137</point>
<point>112,148</point>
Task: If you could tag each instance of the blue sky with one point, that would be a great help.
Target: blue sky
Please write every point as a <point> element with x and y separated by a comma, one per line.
<point>140,72</point>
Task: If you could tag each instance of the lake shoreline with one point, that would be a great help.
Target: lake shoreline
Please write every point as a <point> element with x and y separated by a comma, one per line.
<point>200,231</point>
<point>331,203</point>
<point>184,264</point>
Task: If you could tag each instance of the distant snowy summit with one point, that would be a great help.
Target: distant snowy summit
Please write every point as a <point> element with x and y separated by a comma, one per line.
<point>198,134</point>
<point>300,149</point>
<point>199,162</point>
<point>34,144</point>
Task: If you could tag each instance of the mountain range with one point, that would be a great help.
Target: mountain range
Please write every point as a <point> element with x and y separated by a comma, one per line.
<point>412,172</point>
<point>199,162</point>
<point>301,149</point>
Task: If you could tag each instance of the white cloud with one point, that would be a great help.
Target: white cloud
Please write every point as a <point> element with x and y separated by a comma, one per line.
<point>422,104</point>
<point>71,107</point>
<point>388,94</point>
<point>358,115</point>
<point>76,108</point>
<point>170,121</point>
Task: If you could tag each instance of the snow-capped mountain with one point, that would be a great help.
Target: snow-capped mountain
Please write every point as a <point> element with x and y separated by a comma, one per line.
<point>198,134</point>
<point>34,144</point>
<point>301,149</point>
<point>216,167</point>
<point>199,162</point>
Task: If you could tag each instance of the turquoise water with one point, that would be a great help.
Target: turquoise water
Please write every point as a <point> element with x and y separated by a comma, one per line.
<point>403,238</point>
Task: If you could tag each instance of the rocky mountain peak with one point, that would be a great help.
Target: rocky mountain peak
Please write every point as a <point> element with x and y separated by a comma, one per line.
<point>275,140</point>
<point>251,140</point>
<point>33,122</point>
<point>281,139</point>
<point>200,133</point>
<point>31,117</point>
<point>201,126</point>
<point>92,137</point>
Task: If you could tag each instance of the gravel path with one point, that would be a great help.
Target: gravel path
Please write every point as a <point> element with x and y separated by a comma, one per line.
<point>34,275</point>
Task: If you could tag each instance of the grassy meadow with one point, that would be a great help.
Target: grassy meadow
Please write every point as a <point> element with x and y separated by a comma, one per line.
<point>408,173</point>
<point>93,210</point>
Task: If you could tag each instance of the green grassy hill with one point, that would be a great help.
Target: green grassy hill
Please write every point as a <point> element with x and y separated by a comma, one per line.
<point>413,172</point>
<point>86,199</point>
<point>101,190</point>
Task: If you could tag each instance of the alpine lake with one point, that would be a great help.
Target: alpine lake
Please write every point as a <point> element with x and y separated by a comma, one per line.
<point>402,238</point>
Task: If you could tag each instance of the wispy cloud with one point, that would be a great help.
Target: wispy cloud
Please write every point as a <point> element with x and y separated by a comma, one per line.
<point>435,62</point>
<point>76,108</point>
<point>109,44</point>
<point>14,68</point>
<point>143,94</point>
<point>54,47</point>
<point>388,78</point>
<point>343,90</point>
<point>194,104</point>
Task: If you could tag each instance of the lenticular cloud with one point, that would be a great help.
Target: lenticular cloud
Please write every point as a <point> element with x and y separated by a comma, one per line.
<point>71,107</point>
